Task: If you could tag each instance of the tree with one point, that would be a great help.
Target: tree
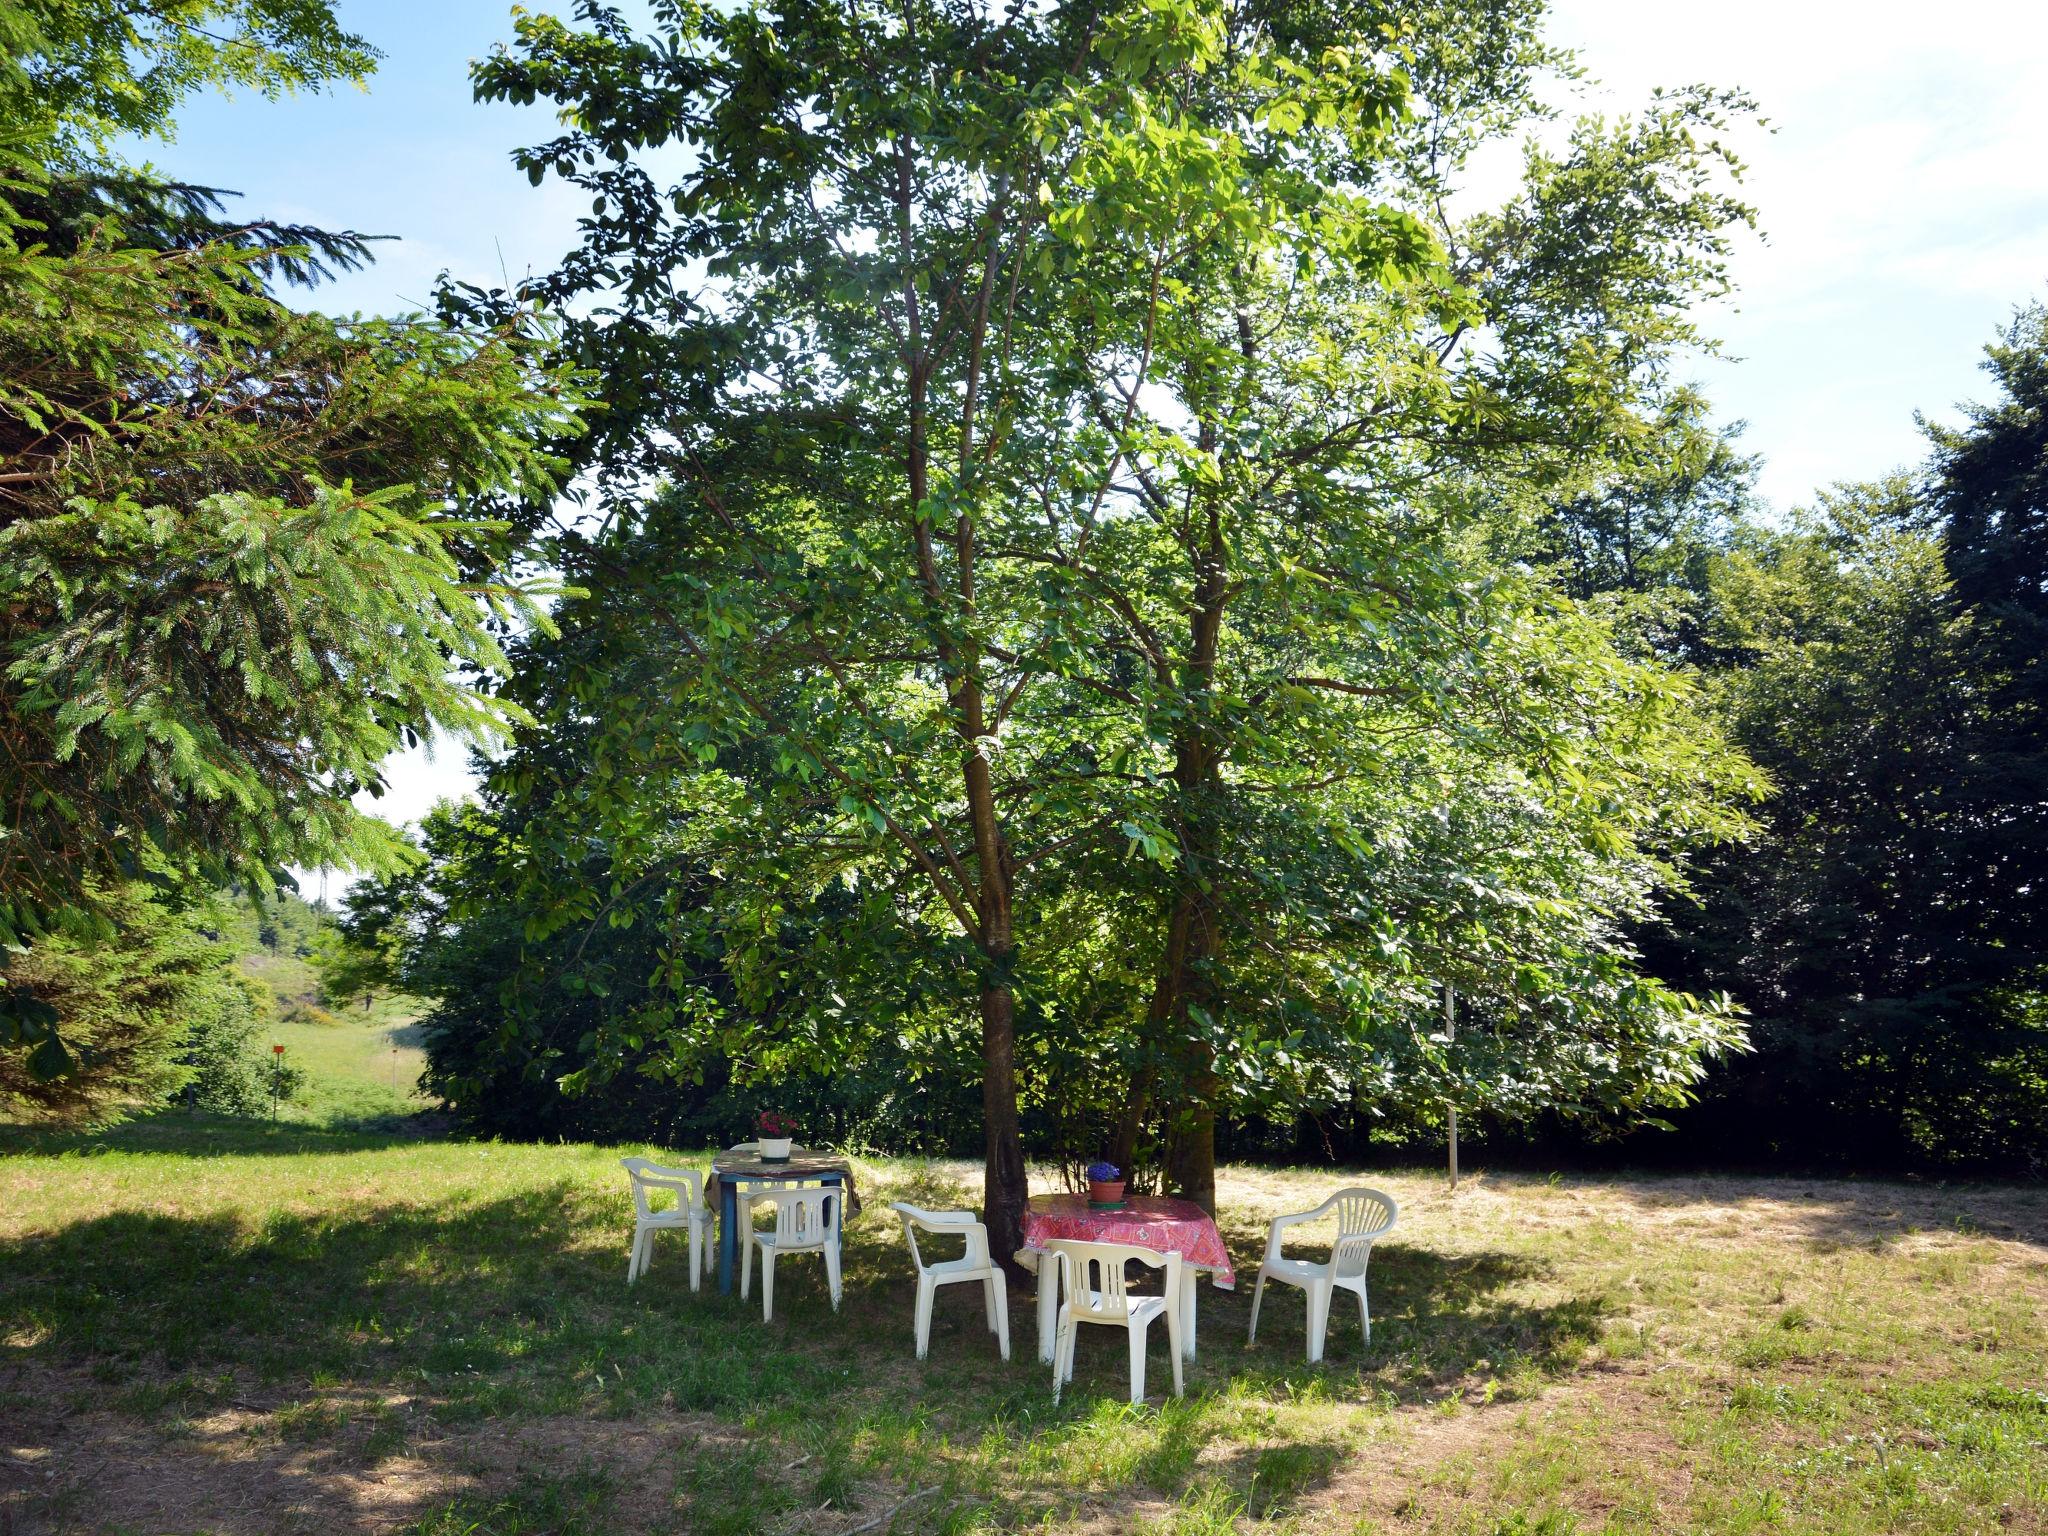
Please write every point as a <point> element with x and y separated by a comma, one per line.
<point>245,551</point>
<point>924,517</point>
<point>1278,399</point>
<point>77,74</point>
<point>847,428</point>
<point>1882,663</point>
<point>1987,491</point>
<point>157,1011</point>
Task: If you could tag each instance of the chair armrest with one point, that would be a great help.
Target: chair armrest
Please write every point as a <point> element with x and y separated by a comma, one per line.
<point>935,1221</point>
<point>1276,1228</point>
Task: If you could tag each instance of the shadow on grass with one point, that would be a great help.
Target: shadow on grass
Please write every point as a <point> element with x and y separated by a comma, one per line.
<point>181,1133</point>
<point>511,1306</point>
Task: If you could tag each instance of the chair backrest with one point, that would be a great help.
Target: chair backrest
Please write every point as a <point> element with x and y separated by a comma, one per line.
<point>949,1222</point>
<point>806,1218</point>
<point>1362,1215</point>
<point>1094,1280</point>
<point>686,1184</point>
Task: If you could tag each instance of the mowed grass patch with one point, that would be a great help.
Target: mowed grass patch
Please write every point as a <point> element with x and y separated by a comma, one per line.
<point>233,1328</point>
<point>360,1069</point>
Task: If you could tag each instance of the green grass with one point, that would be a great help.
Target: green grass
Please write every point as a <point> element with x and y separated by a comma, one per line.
<point>357,1069</point>
<point>306,1328</point>
<point>361,1065</point>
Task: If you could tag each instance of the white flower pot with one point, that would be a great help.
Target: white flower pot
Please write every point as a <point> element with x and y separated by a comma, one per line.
<point>775,1151</point>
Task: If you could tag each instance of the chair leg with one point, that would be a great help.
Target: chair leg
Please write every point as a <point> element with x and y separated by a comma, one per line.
<point>1048,1309</point>
<point>832,1273</point>
<point>1364,1314</point>
<point>1258,1295</point>
<point>1002,1310</point>
<point>1184,1305</point>
<point>988,1300</point>
<point>747,1246</point>
<point>1062,1358</point>
<point>921,1319</point>
<point>1177,1346</point>
<point>1137,1338</point>
<point>768,1285</point>
<point>633,1259</point>
<point>696,1255</point>
<point>1318,1320</point>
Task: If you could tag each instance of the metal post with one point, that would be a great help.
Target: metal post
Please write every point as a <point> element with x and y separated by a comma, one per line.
<point>1451,1034</point>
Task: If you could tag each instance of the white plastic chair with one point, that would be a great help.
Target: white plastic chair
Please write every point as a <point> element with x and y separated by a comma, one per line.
<point>1363,1216</point>
<point>806,1221</point>
<point>689,1214</point>
<point>1094,1290</point>
<point>975,1264</point>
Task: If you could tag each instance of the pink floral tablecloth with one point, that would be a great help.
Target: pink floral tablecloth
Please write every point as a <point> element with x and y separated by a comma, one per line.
<point>1147,1221</point>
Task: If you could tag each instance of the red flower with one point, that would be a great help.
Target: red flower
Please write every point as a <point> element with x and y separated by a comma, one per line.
<point>775,1125</point>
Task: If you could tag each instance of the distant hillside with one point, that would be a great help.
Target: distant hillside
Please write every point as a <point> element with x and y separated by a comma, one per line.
<point>360,1062</point>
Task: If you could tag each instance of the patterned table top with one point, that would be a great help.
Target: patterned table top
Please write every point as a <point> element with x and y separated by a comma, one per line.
<point>747,1165</point>
<point>1157,1222</point>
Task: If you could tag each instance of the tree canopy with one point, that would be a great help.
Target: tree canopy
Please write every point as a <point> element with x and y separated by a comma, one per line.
<point>1036,565</point>
<point>245,550</point>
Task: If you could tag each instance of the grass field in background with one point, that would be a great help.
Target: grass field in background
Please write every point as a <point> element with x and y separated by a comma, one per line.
<point>239,1329</point>
<point>361,1065</point>
<point>355,1070</point>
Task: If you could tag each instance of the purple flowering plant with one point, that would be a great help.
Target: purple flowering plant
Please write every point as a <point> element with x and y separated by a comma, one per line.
<point>1103,1173</point>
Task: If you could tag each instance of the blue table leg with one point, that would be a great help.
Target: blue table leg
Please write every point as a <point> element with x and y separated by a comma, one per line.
<point>729,1234</point>
<point>728,1245</point>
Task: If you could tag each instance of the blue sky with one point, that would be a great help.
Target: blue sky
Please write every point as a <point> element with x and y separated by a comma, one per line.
<point>1902,188</point>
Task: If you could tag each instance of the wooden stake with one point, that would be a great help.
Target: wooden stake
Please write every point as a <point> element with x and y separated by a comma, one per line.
<point>1451,1034</point>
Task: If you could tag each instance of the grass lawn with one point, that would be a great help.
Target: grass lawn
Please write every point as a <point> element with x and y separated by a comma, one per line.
<point>356,1070</point>
<point>360,1064</point>
<point>230,1328</point>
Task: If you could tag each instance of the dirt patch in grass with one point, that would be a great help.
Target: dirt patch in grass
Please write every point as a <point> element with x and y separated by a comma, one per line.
<point>1821,1212</point>
<point>385,1465</point>
<point>338,1461</point>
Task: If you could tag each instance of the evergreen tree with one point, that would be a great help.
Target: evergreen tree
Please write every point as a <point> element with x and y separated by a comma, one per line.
<point>245,551</point>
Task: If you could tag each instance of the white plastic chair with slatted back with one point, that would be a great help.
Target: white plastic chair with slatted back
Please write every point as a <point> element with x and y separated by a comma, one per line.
<point>689,1214</point>
<point>1363,1217</point>
<point>1094,1290</point>
<point>974,1265</point>
<point>806,1221</point>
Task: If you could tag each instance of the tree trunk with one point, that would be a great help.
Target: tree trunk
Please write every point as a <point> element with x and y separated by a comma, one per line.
<point>1189,1169</point>
<point>1003,1186</point>
<point>1003,1190</point>
<point>1191,1152</point>
<point>1192,941</point>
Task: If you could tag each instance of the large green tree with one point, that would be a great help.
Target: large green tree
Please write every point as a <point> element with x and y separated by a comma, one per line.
<point>820,337</point>
<point>246,551</point>
<point>978,385</point>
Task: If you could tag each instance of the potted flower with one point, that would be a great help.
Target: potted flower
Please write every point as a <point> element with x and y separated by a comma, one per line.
<point>775,1131</point>
<point>1105,1184</point>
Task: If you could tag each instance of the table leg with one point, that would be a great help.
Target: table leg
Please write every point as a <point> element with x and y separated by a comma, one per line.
<point>1048,1307</point>
<point>728,1248</point>
<point>1188,1276</point>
